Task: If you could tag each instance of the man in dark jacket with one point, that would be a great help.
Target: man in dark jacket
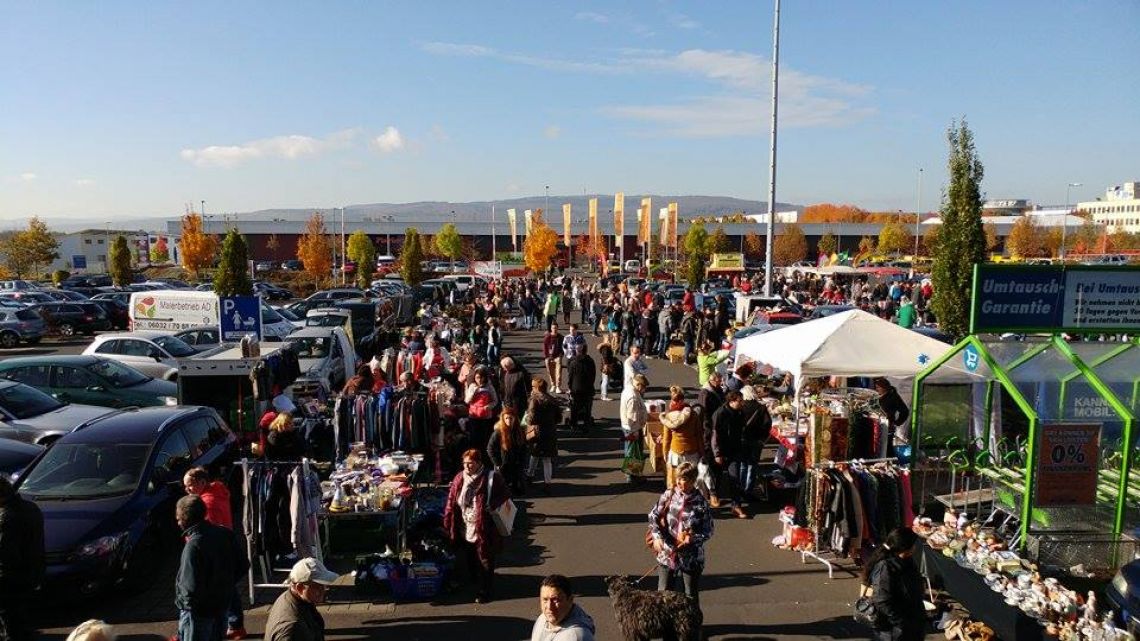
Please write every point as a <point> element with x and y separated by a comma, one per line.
<point>709,399</point>
<point>582,373</point>
<point>21,560</point>
<point>728,443</point>
<point>893,406</point>
<point>210,565</point>
<point>294,616</point>
<point>515,381</point>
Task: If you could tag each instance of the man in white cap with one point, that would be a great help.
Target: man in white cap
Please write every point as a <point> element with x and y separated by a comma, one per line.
<point>294,616</point>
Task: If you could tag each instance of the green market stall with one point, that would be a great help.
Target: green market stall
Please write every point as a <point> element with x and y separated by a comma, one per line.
<point>1045,417</point>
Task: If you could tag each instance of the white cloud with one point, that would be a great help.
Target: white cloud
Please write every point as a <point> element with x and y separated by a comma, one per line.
<point>290,147</point>
<point>552,132</point>
<point>84,182</point>
<point>28,176</point>
<point>389,141</point>
<point>741,81</point>
<point>682,21</point>
<point>591,16</point>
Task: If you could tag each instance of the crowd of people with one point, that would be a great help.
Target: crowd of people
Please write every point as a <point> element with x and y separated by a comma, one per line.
<point>596,339</point>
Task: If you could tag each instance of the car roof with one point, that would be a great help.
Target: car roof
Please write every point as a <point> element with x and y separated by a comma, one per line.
<point>313,332</point>
<point>130,426</point>
<point>55,359</point>
<point>138,333</point>
<point>195,328</point>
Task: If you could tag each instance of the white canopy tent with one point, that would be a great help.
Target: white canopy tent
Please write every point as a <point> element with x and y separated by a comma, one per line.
<point>852,343</point>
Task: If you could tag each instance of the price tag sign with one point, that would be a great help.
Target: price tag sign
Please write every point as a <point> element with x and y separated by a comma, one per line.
<point>1067,464</point>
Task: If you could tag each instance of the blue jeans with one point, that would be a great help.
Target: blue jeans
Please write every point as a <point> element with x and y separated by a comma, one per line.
<point>192,627</point>
<point>688,349</point>
<point>492,354</point>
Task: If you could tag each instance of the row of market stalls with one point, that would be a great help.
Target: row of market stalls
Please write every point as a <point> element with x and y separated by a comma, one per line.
<point>1019,452</point>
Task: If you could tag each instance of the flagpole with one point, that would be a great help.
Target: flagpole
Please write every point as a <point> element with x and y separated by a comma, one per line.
<point>772,153</point>
<point>493,239</point>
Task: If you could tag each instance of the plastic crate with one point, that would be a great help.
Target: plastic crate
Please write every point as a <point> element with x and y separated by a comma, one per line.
<point>416,587</point>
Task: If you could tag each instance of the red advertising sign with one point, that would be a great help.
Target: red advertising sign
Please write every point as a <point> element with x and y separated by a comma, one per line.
<point>1067,464</point>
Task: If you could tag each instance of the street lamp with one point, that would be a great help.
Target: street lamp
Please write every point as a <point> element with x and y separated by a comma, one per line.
<point>917,212</point>
<point>546,207</point>
<point>1065,220</point>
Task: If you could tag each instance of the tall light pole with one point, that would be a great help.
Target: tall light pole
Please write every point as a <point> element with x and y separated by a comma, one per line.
<point>917,212</point>
<point>203,208</point>
<point>1065,220</point>
<point>772,153</point>
<point>494,241</point>
<point>343,276</point>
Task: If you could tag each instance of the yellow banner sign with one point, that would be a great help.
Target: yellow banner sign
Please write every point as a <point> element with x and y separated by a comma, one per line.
<point>619,215</point>
<point>566,224</point>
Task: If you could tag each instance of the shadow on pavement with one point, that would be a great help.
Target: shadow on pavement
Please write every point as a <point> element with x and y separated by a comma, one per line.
<point>833,628</point>
<point>594,585</point>
<point>441,628</point>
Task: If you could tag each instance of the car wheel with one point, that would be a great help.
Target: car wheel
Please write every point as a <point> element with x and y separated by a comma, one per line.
<point>67,330</point>
<point>8,340</point>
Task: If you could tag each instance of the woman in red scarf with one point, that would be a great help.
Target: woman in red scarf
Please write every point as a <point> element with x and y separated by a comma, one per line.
<point>474,492</point>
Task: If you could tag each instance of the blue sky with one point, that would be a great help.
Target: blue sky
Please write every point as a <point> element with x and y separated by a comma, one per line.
<point>133,108</point>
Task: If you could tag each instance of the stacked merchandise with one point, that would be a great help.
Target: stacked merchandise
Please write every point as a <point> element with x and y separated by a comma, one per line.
<point>1063,613</point>
<point>369,484</point>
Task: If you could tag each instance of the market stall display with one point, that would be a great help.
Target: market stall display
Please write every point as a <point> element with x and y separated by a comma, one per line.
<point>364,502</point>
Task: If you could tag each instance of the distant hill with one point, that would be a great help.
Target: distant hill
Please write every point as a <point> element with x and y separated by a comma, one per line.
<point>689,206</point>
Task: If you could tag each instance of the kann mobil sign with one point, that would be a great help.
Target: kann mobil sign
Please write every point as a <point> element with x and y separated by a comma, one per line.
<point>1047,298</point>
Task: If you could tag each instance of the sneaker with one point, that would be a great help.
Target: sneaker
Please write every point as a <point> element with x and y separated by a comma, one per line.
<point>714,501</point>
<point>605,398</point>
<point>236,634</point>
<point>739,512</point>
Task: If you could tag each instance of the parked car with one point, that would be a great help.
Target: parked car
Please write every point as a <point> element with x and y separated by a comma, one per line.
<point>20,325</point>
<point>64,294</point>
<point>116,312</point>
<point>263,266</point>
<point>201,338</point>
<point>107,492</point>
<point>151,352</point>
<point>69,319</point>
<point>823,311</point>
<point>92,380</point>
<point>123,297</point>
<point>31,416</point>
<point>326,357</point>
<point>271,292</point>
<point>27,296</point>
<point>16,456</point>
<point>292,265</point>
<point>338,293</point>
<point>17,285</point>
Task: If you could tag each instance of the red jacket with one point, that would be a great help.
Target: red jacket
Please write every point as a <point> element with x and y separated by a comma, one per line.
<point>217,499</point>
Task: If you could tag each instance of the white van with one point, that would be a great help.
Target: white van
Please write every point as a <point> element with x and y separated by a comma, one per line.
<point>172,310</point>
<point>632,266</point>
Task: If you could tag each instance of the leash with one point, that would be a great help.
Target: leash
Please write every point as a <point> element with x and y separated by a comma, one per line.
<point>647,573</point>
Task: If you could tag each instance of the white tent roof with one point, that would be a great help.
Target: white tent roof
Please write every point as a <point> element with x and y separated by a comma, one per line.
<point>852,343</point>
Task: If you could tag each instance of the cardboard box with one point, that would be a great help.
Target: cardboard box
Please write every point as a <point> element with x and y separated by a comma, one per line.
<point>676,353</point>
<point>655,455</point>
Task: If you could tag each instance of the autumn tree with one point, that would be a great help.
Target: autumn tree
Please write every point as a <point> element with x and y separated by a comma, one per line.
<point>827,244</point>
<point>119,262</point>
<point>28,251</point>
<point>789,246</point>
<point>893,239</point>
<point>866,245</point>
<point>1085,240</point>
<point>272,243</point>
<point>961,241</point>
<point>1120,241</point>
<point>362,251</point>
<point>198,247</point>
<point>1051,241</point>
<point>717,242</point>
<point>541,246</point>
<point>410,268</point>
<point>448,243</point>
<point>829,213</point>
<point>594,252</point>
<point>1025,239</point>
<point>930,239</point>
<point>992,242</point>
<point>696,253</point>
<point>314,249</point>
<point>753,244</point>
<point>232,276</point>
<point>160,251</point>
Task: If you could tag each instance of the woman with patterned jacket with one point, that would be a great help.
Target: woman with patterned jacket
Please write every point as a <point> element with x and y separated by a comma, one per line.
<point>680,524</point>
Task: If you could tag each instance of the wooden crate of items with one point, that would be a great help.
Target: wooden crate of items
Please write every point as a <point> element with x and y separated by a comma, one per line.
<point>676,353</point>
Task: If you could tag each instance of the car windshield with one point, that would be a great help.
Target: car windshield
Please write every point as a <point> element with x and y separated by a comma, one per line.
<point>270,316</point>
<point>116,374</point>
<point>288,314</point>
<point>85,470</point>
<point>22,401</point>
<point>174,346</point>
<point>325,320</point>
<point>312,346</point>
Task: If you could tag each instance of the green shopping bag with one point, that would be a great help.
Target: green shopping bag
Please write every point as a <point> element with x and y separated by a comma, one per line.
<point>634,462</point>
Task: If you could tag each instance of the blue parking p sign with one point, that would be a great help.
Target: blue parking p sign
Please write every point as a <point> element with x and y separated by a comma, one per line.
<point>240,315</point>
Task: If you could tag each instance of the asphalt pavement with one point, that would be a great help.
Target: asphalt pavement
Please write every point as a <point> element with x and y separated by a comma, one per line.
<point>592,526</point>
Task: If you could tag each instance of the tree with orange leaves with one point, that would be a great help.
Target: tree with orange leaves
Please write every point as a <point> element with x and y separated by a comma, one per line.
<point>314,249</point>
<point>591,251</point>
<point>198,247</point>
<point>541,246</point>
<point>829,213</point>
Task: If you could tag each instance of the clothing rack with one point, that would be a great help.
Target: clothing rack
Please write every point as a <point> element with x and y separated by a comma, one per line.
<point>816,553</point>
<point>263,562</point>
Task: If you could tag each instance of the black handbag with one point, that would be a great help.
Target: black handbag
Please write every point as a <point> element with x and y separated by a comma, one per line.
<point>865,611</point>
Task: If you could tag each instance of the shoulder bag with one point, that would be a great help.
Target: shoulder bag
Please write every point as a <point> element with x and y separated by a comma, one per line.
<point>865,611</point>
<point>504,515</point>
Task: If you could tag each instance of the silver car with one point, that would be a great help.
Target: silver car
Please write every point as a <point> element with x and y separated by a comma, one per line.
<point>20,325</point>
<point>153,353</point>
<point>29,415</point>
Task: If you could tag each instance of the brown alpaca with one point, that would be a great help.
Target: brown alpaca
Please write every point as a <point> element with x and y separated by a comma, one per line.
<point>648,614</point>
